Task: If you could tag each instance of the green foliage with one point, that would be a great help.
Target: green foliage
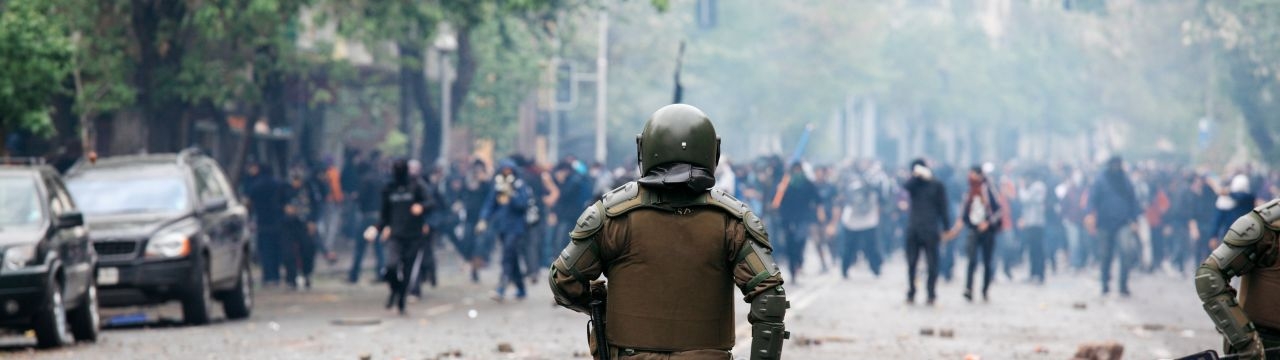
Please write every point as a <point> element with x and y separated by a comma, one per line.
<point>508,73</point>
<point>395,144</point>
<point>35,56</point>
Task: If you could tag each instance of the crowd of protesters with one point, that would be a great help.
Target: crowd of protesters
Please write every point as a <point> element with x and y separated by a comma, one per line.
<point>1022,221</point>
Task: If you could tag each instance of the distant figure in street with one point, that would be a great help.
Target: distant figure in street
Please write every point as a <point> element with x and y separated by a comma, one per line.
<point>981,215</point>
<point>928,217</point>
<point>799,209</point>
<point>370,204</point>
<point>302,242</point>
<point>1034,198</point>
<point>267,198</point>
<point>857,210</point>
<point>504,214</point>
<point>402,223</point>
<point>1113,208</point>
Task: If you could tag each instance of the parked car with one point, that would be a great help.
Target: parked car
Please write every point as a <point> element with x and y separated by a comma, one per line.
<point>167,227</point>
<point>47,275</point>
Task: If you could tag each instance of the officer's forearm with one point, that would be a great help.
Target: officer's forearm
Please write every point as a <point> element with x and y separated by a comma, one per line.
<point>568,291</point>
<point>1220,303</point>
<point>768,311</point>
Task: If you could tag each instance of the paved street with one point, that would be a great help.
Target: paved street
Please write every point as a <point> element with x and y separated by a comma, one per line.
<point>831,318</point>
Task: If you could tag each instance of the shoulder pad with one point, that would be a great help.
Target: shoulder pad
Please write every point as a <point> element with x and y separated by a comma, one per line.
<point>1270,213</point>
<point>723,200</point>
<point>740,210</point>
<point>588,223</point>
<point>755,227</point>
<point>1246,231</point>
<point>621,200</point>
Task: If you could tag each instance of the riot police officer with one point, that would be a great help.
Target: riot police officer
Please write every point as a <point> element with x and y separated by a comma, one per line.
<point>673,248</point>
<point>1249,249</point>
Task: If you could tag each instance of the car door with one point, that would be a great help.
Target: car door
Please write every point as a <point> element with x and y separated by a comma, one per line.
<point>72,242</point>
<point>218,222</point>
<point>237,220</point>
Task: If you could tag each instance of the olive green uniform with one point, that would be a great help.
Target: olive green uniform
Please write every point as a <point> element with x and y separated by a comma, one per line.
<point>669,262</point>
<point>1249,250</point>
<point>672,251</point>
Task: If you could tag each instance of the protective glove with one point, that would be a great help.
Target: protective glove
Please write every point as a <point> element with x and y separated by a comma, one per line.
<point>1254,350</point>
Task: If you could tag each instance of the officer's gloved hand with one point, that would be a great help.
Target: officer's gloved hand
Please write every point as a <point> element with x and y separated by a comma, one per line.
<point>1254,350</point>
<point>370,233</point>
<point>599,290</point>
<point>482,226</point>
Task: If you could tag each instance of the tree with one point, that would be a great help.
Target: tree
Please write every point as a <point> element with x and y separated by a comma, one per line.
<point>1247,35</point>
<point>35,56</point>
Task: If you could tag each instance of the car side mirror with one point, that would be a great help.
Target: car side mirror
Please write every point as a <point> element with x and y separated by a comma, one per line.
<point>215,205</point>
<point>70,220</point>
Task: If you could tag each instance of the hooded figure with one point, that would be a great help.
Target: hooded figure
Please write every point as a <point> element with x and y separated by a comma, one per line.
<point>504,214</point>
<point>1114,204</point>
<point>402,222</point>
<point>929,216</point>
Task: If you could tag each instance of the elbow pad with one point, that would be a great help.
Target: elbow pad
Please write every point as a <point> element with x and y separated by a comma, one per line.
<point>1221,305</point>
<point>767,329</point>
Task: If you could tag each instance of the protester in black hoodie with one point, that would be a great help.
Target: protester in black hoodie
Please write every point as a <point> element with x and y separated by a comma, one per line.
<point>928,216</point>
<point>402,223</point>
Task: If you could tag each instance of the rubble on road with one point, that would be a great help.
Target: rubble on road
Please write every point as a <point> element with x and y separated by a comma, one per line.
<point>1099,351</point>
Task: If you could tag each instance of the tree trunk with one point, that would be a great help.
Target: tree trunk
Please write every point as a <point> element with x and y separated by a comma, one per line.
<point>466,71</point>
<point>158,58</point>
<point>1258,113</point>
<point>409,58</point>
<point>414,93</point>
<point>274,100</point>
<point>241,158</point>
<point>4,138</point>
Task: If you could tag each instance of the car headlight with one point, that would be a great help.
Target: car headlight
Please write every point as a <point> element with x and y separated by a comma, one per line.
<point>168,245</point>
<point>20,256</point>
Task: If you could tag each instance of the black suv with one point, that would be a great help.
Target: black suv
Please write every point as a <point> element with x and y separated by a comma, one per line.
<point>47,275</point>
<point>167,227</point>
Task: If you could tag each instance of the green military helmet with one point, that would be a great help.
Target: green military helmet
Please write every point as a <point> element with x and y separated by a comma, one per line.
<point>678,133</point>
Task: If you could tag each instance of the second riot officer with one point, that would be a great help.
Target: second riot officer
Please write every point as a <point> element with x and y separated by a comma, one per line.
<point>1249,250</point>
<point>672,249</point>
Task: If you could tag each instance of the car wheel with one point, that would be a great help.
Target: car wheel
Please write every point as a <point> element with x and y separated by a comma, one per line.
<point>238,303</point>
<point>85,322</point>
<point>197,299</point>
<point>51,322</point>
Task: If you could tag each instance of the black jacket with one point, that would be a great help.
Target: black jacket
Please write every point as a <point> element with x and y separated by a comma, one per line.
<point>929,211</point>
<point>397,201</point>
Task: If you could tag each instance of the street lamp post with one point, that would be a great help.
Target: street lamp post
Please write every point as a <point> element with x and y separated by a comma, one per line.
<point>444,44</point>
<point>602,86</point>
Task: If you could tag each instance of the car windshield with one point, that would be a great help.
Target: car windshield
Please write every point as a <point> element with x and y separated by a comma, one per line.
<point>104,194</point>
<point>19,202</point>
